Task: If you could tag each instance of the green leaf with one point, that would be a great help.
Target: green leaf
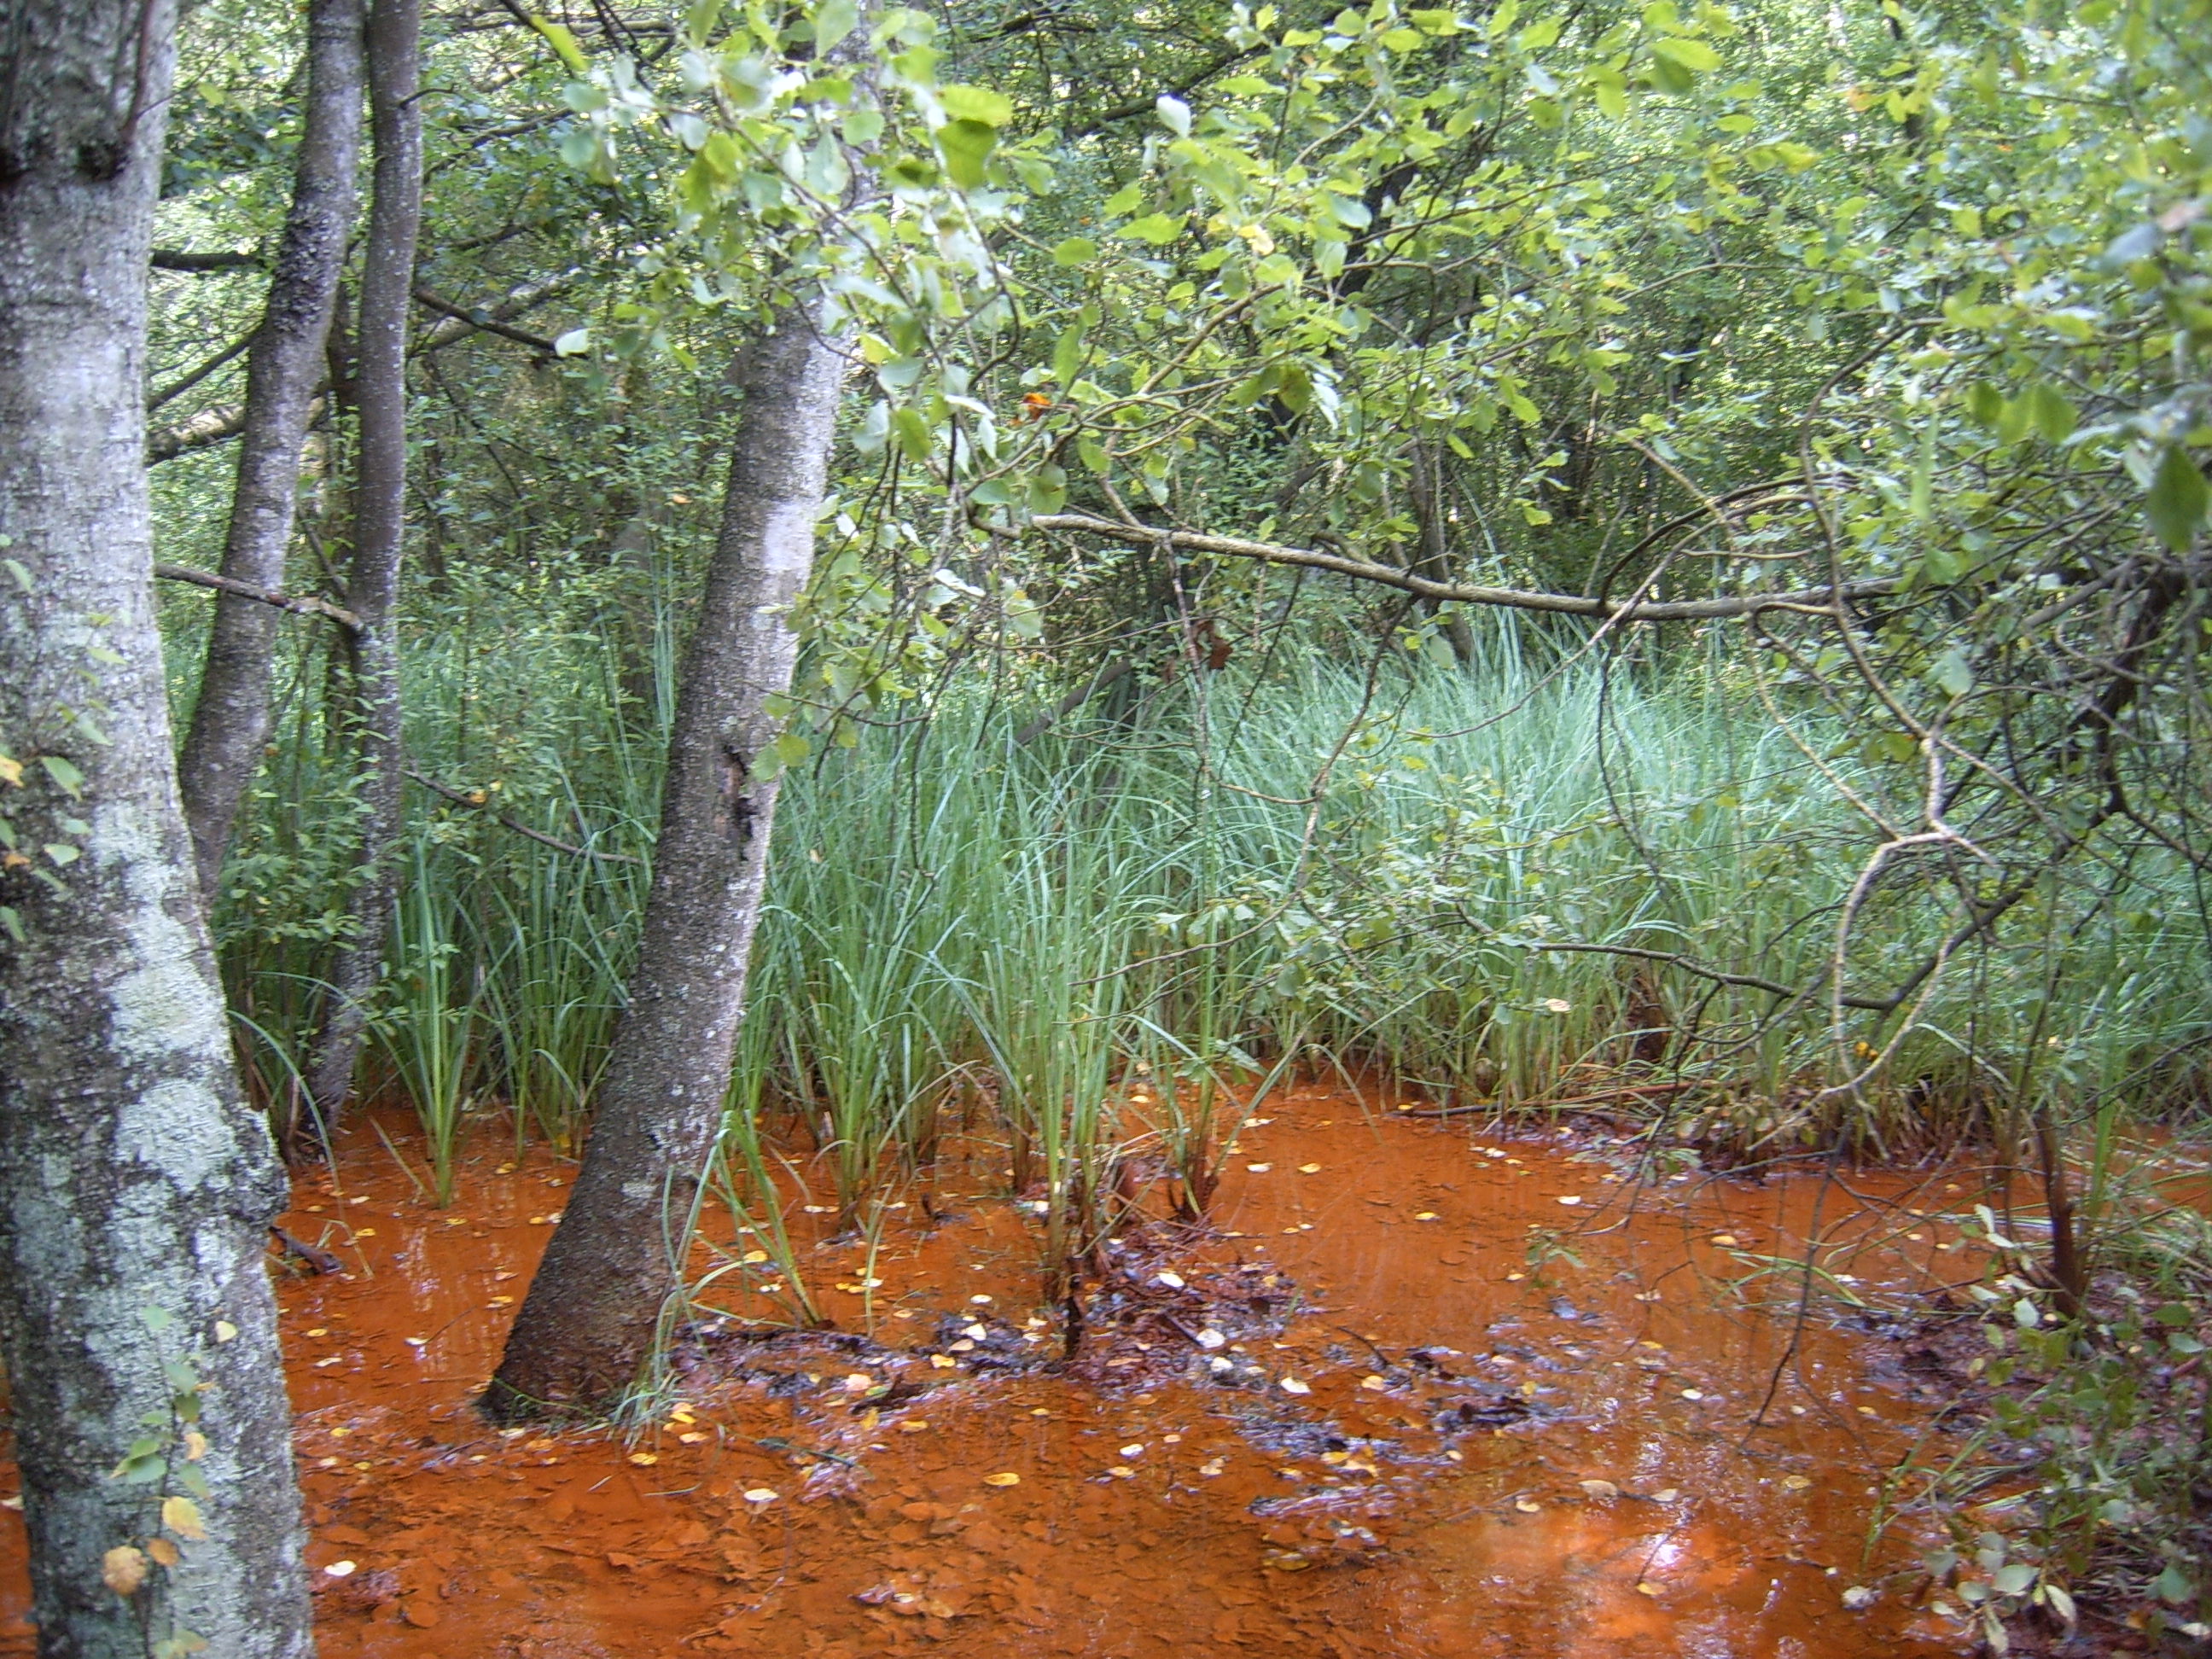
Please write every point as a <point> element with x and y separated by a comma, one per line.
<point>1952,672</point>
<point>833,21</point>
<point>1075,251</point>
<point>1067,355</point>
<point>574,343</point>
<point>1157,229</point>
<point>2173,1585</point>
<point>66,777</point>
<point>2176,499</point>
<point>977,103</point>
<point>1048,489</point>
<point>2053,416</point>
<point>1694,56</point>
<point>966,145</point>
<point>562,42</point>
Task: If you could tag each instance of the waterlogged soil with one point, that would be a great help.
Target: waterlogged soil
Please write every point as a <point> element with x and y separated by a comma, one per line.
<point>1424,1388</point>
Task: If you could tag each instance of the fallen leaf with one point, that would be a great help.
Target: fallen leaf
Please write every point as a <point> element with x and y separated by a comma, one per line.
<point>754,1258</point>
<point>1424,1215</point>
<point>644,1460</point>
<point>1726,1241</point>
<point>1665,1495</point>
<point>1795,1483</point>
<point>757,1495</point>
<point>1259,1169</point>
<point>1292,1385</point>
<point>1309,1169</point>
<point>341,1569</point>
<point>1693,1394</point>
<point>1645,1587</point>
<point>123,1568</point>
<point>1210,1468</point>
<point>1600,1489</point>
<point>1571,1199</point>
<point>981,1301</point>
<point>858,1382</point>
<point>943,1362</point>
<point>1006,1478</point>
<point>1527,1505</point>
<point>1373,1384</point>
<point>1122,1472</point>
<point>1173,1281</point>
<point>1210,1338</point>
<point>914,1426</point>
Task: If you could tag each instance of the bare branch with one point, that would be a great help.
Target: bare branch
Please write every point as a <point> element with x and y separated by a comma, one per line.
<point>1571,605</point>
<point>299,604</point>
<point>480,801</point>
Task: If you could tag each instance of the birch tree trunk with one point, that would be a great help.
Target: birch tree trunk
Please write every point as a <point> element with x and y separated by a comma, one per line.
<point>615,1259</point>
<point>284,372</point>
<point>136,1188</point>
<point>387,284</point>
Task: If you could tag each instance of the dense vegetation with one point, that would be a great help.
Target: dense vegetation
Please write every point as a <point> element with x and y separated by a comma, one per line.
<point>1547,554</point>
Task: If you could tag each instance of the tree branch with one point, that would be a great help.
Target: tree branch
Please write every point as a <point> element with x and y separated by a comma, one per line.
<point>299,604</point>
<point>167,259</point>
<point>1571,605</point>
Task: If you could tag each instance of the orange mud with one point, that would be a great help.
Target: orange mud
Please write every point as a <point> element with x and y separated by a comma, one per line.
<point>1370,1421</point>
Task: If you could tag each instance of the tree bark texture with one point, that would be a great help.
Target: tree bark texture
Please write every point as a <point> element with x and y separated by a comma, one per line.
<point>136,1188</point>
<point>284,373</point>
<point>615,1258</point>
<point>387,284</point>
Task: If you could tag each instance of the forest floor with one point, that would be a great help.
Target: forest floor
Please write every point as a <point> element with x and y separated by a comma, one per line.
<point>1426,1388</point>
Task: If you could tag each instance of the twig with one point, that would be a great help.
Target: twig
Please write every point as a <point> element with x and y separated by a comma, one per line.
<point>482,803</point>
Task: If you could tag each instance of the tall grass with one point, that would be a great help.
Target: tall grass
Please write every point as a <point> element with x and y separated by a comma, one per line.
<point>1420,876</point>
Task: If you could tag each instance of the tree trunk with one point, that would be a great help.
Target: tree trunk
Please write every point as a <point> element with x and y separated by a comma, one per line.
<point>617,1257</point>
<point>230,722</point>
<point>136,1188</point>
<point>380,524</point>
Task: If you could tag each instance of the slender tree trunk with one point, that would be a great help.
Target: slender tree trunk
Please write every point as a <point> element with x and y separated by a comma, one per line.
<point>615,1258</point>
<point>230,722</point>
<point>380,524</point>
<point>136,1188</point>
<point>1435,562</point>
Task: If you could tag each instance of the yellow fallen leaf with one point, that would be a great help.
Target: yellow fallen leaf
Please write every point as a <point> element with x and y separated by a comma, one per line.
<point>757,1495</point>
<point>1726,1241</point>
<point>341,1570</point>
<point>693,1438</point>
<point>1292,1385</point>
<point>1645,1587</point>
<point>1795,1483</point>
<point>123,1568</point>
<point>1600,1489</point>
<point>1571,1198</point>
<point>1259,1169</point>
<point>943,1362</point>
<point>1424,1215</point>
<point>1007,1478</point>
<point>754,1258</point>
<point>182,1516</point>
<point>1693,1394</point>
<point>1373,1384</point>
<point>1527,1505</point>
<point>1122,1472</point>
<point>914,1425</point>
<point>644,1460</point>
<point>1665,1495</point>
<point>858,1382</point>
<point>1309,1169</point>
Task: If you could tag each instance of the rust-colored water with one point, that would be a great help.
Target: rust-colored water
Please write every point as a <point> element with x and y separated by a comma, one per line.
<point>1451,1412</point>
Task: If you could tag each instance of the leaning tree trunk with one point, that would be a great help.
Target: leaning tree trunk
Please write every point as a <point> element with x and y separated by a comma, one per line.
<point>615,1258</point>
<point>230,722</point>
<point>387,284</point>
<point>136,1188</point>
